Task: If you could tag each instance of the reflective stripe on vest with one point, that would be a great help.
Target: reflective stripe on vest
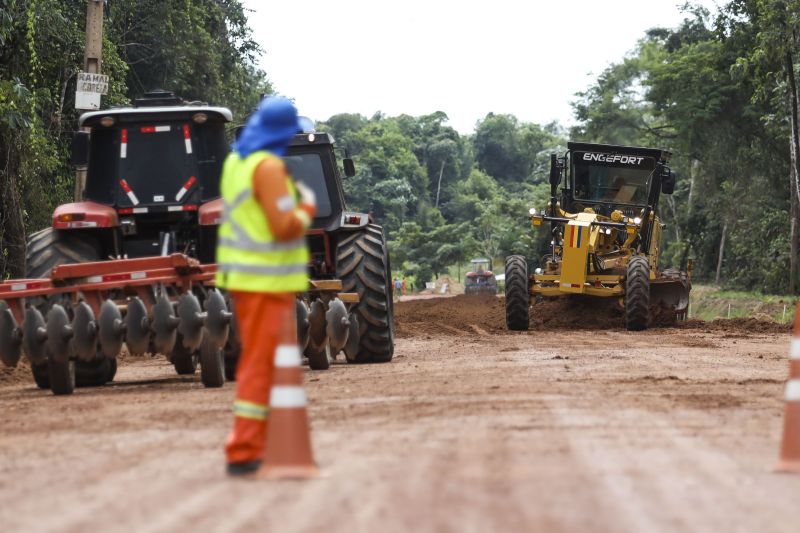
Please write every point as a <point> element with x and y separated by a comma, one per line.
<point>248,256</point>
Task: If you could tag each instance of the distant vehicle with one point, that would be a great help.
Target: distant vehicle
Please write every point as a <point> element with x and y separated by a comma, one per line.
<point>480,280</point>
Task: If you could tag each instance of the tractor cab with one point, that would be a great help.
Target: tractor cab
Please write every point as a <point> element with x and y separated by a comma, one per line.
<point>151,180</point>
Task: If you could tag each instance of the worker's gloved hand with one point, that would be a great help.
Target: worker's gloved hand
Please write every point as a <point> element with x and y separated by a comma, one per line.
<point>307,196</point>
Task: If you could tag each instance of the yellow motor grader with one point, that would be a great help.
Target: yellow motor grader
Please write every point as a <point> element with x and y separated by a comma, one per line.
<point>606,233</point>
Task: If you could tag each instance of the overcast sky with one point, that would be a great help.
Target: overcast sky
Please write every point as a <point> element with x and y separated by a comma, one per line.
<point>465,57</point>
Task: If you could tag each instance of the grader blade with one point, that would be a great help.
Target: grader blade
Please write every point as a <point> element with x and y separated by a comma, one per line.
<point>671,294</point>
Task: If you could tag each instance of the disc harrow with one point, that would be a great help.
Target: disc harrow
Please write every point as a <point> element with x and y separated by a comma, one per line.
<point>168,305</point>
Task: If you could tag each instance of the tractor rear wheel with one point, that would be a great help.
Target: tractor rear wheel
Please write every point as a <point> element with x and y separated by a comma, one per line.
<point>637,294</point>
<point>50,247</point>
<point>517,293</point>
<point>362,263</point>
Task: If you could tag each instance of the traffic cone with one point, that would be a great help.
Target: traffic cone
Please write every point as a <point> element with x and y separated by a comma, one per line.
<point>287,453</point>
<point>790,447</point>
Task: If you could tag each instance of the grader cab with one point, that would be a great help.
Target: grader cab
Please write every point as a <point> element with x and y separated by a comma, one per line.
<point>606,232</point>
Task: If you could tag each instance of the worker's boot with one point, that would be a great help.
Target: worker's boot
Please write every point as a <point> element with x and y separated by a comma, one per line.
<point>244,468</point>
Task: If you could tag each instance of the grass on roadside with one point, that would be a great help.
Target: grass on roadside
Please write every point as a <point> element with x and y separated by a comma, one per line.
<point>708,302</point>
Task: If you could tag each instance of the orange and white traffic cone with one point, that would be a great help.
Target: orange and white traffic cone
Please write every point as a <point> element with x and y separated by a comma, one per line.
<point>287,453</point>
<point>790,447</point>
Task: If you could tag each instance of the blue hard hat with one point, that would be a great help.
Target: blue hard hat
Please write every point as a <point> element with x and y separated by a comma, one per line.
<point>270,128</point>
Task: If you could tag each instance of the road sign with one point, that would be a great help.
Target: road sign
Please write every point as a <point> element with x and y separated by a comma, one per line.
<point>90,87</point>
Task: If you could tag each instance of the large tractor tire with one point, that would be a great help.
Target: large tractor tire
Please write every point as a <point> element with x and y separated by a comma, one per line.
<point>362,263</point>
<point>637,294</point>
<point>517,293</point>
<point>50,247</point>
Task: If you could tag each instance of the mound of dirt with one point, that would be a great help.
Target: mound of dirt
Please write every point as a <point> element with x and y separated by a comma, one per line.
<point>19,374</point>
<point>742,325</point>
<point>458,314</point>
<point>485,314</point>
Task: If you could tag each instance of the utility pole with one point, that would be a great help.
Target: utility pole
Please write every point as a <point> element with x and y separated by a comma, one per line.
<point>93,54</point>
<point>92,59</point>
<point>439,186</point>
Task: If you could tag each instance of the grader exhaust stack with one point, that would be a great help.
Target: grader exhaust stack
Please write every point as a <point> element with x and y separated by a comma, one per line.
<point>606,232</point>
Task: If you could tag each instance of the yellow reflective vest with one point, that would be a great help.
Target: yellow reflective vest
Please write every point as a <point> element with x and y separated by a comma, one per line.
<point>248,256</point>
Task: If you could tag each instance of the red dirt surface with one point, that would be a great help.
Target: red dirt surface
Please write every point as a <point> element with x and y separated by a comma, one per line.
<point>470,428</point>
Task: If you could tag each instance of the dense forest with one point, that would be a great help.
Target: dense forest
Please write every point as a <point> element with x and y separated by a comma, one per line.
<point>718,91</point>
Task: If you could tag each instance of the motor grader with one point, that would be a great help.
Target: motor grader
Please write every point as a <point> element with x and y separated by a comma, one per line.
<point>605,236</point>
<point>132,259</point>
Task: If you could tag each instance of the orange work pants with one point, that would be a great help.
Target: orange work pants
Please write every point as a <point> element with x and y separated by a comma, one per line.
<point>259,317</point>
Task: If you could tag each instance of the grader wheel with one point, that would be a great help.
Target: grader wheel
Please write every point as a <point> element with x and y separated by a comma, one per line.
<point>637,294</point>
<point>517,295</point>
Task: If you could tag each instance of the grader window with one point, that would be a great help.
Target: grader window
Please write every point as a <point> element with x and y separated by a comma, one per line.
<point>611,178</point>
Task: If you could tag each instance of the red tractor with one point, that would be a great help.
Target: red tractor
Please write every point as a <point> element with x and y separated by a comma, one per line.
<point>132,260</point>
<point>480,280</point>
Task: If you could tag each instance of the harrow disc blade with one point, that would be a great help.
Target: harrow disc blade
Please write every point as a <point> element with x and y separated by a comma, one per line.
<point>34,336</point>
<point>218,318</point>
<point>318,337</point>
<point>337,325</point>
<point>111,329</point>
<point>137,327</point>
<point>10,337</point>
<point>353,339</point>
<point>302,324</point>
<point>234,341</point>
<point>59,333</point>
<point>84,330</point>
<point>191,321</point>
<point>164,324</point>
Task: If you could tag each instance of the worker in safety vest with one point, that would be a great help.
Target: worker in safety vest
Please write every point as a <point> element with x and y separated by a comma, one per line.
<point>262,259</point>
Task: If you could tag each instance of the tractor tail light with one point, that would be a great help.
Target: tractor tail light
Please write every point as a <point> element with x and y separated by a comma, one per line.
<point>71,217</point>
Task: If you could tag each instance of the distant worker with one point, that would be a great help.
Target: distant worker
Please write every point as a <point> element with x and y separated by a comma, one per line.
<point>398,287</point>
<point>403,285</point>
<point>262,259</point>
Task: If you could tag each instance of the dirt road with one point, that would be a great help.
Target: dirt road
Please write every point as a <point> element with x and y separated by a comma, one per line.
<point>470,428</point>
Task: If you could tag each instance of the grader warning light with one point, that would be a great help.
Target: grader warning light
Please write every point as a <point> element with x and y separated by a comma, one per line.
<point>606,235</point>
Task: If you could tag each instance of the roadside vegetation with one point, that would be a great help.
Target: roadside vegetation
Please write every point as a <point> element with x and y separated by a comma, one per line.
<point>709,303</point>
